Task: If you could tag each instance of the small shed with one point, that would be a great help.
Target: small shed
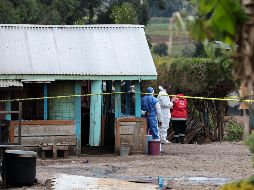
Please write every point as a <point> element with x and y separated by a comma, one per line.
<point>65,63</point>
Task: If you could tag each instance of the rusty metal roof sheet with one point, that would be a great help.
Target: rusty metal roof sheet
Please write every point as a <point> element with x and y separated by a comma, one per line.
<point>10,83</point>
<point>75,50</point>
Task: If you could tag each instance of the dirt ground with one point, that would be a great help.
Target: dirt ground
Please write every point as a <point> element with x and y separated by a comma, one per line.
<point>189,166</point>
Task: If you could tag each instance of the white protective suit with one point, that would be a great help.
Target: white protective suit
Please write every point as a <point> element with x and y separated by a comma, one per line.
<point>165,105</point>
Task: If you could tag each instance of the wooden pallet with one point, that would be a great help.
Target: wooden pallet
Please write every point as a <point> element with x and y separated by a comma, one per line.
<point>193,130</point>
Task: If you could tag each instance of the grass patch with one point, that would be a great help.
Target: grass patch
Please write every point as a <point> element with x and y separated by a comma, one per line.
<point>158,29</point>
<point>159,20</point>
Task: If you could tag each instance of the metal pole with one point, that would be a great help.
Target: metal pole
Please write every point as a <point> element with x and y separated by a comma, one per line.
<point>20,117</point>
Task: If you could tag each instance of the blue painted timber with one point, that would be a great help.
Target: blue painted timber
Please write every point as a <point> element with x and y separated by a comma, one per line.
<point>137,99</point>
<point>95,113</point>
<point>118,110</point>
<point>45,101</point>
<point>77,103</point>
<point>8,106</point>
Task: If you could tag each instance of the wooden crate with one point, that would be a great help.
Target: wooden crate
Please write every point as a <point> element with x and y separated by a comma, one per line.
<point>131,131</point>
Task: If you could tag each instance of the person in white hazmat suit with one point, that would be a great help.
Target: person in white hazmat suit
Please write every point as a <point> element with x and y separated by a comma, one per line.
<point>165,105</point>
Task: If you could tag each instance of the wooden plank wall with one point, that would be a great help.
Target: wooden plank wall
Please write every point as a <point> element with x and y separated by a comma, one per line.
<point>44,131</point>
<point>133,132</point>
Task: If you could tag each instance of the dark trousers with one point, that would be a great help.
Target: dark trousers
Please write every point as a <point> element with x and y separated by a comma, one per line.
<point>179,127</point>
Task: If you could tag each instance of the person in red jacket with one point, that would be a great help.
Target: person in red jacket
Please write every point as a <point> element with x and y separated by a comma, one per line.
<point>179,117</point>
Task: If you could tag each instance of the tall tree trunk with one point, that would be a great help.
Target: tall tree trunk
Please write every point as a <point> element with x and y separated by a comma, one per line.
<point>244,70</point>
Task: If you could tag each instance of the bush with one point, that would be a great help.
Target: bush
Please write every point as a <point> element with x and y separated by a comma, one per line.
<point>233,131</point>
<point>189,50</point>
<point>241,185</point>
<point>161,49</point>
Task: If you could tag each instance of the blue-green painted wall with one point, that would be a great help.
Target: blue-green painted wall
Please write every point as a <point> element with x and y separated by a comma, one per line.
<point>8,106</point>
<point>61,108</point>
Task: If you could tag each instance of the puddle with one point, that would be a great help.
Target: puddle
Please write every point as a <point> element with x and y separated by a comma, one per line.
<point>184,179</point>
<point>207,180</point>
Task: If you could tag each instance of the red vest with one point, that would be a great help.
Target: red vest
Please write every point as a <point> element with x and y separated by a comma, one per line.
<point>179,109</point>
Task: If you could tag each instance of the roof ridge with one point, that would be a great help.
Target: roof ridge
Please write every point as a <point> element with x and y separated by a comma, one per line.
<point>73,26</point>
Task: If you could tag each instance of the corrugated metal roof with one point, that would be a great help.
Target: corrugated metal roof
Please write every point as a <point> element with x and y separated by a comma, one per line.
<point>75,50</point>
<point>10,83</point>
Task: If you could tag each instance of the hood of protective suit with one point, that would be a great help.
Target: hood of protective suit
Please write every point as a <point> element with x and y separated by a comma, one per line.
<point>149,90</point>
<point>179,96</point>
<point>162,89</point>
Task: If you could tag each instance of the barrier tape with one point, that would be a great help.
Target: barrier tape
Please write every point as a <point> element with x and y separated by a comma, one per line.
<point>229,98</point>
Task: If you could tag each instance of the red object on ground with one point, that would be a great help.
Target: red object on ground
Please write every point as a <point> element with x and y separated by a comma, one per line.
<point>154,147</point>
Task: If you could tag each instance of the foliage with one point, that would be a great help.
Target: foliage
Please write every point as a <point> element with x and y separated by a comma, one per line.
<point>7,12</point>
<point>65,8</point>
<point>250,143</point>
<point>167,8</point>
<point>233,131</point>
<point>28,11</point>
<point>241,185</point>
<point>161,49</point>
<point>189,51</point>
<point>195,76</point>
<point>124,14</point>
<point>202,77</point>
<point>48,11</point>
<point>76,11</point>
<point>217,20</point>
<point>139,13</point>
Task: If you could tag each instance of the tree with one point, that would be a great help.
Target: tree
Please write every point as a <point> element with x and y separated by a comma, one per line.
<point>49,11</point>
<point>89,8</point>
<point>140,12</point>
<point>7,12</point>
<point>124,14</point>
<point>28,11</point>
<point>65,8</point>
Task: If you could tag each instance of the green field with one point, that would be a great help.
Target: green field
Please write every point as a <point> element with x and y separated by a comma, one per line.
<point>158,30</point>
<point>158,26</point>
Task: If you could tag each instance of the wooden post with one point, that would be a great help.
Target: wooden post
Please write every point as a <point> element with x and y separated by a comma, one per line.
<point>118,110</point>
<point>20,118</point>
<point>137,99</point>
<point>77,103</point>
<point>127,97</point>
<point>54,150</point>
<point>95,113</point>
<point>45,101</point>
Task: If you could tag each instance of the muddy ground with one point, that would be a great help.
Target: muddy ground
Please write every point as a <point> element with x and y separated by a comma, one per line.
<point>189,166</point>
